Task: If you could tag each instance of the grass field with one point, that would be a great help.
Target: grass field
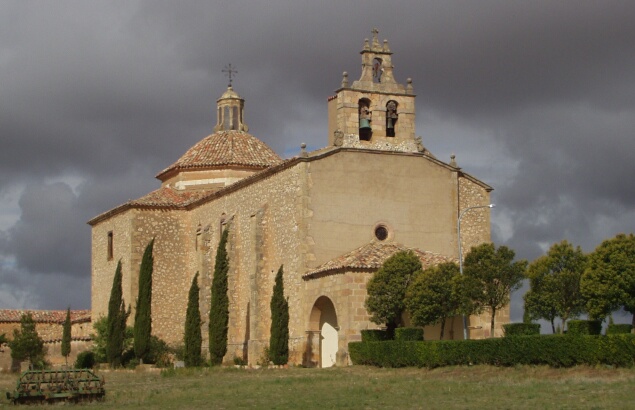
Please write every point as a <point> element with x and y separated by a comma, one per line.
<point>368,388</point>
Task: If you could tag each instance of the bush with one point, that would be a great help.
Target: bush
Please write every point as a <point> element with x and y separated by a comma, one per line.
<point>618,329</point>
<point>85,360</point>
<point>521,329</point>
<point>376,335</point>
<point>160,354</point>
<point>406,334</point>
<point>551,350</point>
<point>584,327</point>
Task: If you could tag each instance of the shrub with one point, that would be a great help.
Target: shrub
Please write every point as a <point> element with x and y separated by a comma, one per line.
<point>551,350</point>
<point>405,334</point>
<point>521,329</point>
<point>618,329</point>
<point>376,335</point>
<point>85,360</point>
<point>584,327</point>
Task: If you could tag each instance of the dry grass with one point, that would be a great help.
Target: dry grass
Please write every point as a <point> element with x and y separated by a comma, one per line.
<point>369,388</point>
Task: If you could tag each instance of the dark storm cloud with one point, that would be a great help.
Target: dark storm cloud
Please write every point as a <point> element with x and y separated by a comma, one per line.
<point>535,98</point>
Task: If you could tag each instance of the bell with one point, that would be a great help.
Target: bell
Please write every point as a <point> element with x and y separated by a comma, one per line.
<point>389,124</point>
<point>364,123</point>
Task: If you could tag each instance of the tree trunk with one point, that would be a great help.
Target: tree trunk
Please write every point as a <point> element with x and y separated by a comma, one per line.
<point>633,321</point>
<point>491,329</point>
<point>553,327</point>
<point>442,328</point>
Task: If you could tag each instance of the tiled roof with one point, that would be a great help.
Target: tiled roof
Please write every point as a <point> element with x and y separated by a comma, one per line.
<point>226,148</point>
<point>44,316</point>
<point>168,197</point>
<point>372,255</point>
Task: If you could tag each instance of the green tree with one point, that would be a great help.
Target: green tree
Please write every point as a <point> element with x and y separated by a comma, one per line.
<point>608,283</point>
<point>219,306</point>
<point>27,344</point>
<point>117,317</point>
<point>143,313</point>
<point>387,289</point>
<point>493,276</point>
<point>192,339</point>
<point>66,336</point>
<point>435,295</point>
<point>279,340</point>
<point>555,284</point>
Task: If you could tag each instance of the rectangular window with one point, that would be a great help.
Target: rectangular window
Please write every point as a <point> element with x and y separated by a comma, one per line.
<point>110,246</point>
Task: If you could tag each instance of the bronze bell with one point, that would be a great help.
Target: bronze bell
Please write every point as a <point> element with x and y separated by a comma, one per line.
<point>364,123</point>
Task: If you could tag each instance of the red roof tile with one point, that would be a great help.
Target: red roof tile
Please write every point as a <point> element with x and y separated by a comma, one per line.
<point>372,255</point>
<point>226,148</point>
<point>168,197</point>
<point>44,316</point>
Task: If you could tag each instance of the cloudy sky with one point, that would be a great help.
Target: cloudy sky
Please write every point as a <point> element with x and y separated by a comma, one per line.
<point>536,98</point>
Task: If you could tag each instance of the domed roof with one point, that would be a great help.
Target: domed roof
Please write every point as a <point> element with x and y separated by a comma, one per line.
<point>231,148</point>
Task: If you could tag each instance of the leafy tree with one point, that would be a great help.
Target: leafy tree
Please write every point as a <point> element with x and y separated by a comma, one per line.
<point>117,317</point>
<point>219,306</point>
<point>435,295</point>
<point>143,313</point>
<point>192,338</point>
<point>387,289</point>
<point>555,284</point>
<point>66,336</point>
<point>609,281</point>
<point>279,340</point>
<point>100,339</point>
<point>493,276</point>
<point>27,344</point>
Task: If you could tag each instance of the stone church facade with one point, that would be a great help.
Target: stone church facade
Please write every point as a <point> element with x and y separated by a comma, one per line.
<point>330,217</point>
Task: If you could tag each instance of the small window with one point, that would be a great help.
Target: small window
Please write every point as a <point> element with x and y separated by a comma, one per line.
<point>381,232</point>
<point>110,246</point>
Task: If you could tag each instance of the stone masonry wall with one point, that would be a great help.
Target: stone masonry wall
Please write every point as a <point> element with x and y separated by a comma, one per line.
<point>103,268</point>
<point>264,234</point>
<point>475,230</point>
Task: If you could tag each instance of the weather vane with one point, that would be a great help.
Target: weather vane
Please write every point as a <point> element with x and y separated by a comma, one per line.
<point>230,71</point>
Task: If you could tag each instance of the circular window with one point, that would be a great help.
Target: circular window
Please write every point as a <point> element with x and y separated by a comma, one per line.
<point>381,232</point>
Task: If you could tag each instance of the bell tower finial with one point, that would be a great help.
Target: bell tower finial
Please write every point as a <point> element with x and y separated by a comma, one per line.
<point>230,72</point>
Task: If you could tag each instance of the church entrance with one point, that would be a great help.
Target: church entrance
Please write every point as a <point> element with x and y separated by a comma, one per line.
<point>323,342</point>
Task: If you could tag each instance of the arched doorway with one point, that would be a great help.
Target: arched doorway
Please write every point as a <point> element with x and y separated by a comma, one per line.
<point>324,329</point>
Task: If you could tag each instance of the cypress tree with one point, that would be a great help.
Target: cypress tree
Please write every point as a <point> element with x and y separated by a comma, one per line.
<point>279,340</point>
<point>219,306</point>
<point>143,313</point>
<point>192,339</point>
<point>117,317</point>
<point>66,336</point>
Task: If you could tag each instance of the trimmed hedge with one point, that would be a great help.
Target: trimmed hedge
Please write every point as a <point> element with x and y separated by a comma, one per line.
<point>409,334</point>
<point>521,329</point>
<point>618,329</point>
<point>584,327</point>
<point>552,350</point>
<point>376,335</point>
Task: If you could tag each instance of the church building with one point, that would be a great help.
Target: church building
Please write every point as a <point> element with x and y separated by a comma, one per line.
<point>330,217</point>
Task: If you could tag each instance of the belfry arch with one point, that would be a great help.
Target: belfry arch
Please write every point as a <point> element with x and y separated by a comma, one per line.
<point>322,335</point>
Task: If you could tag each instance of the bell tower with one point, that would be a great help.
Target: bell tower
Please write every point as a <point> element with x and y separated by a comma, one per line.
<point>374,111</point>
<point>230,108</point>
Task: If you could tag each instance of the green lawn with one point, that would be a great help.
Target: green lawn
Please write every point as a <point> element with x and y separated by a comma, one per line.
<point>361,387</point>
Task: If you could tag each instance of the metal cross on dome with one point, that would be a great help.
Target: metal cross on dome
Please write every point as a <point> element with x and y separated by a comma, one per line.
<point>230,71</point>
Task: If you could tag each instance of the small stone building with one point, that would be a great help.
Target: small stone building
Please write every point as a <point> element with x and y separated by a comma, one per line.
<point>330,217</point>
<point>49,325</point>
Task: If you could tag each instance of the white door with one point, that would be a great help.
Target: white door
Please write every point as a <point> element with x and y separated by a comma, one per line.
<point>329,344</point>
